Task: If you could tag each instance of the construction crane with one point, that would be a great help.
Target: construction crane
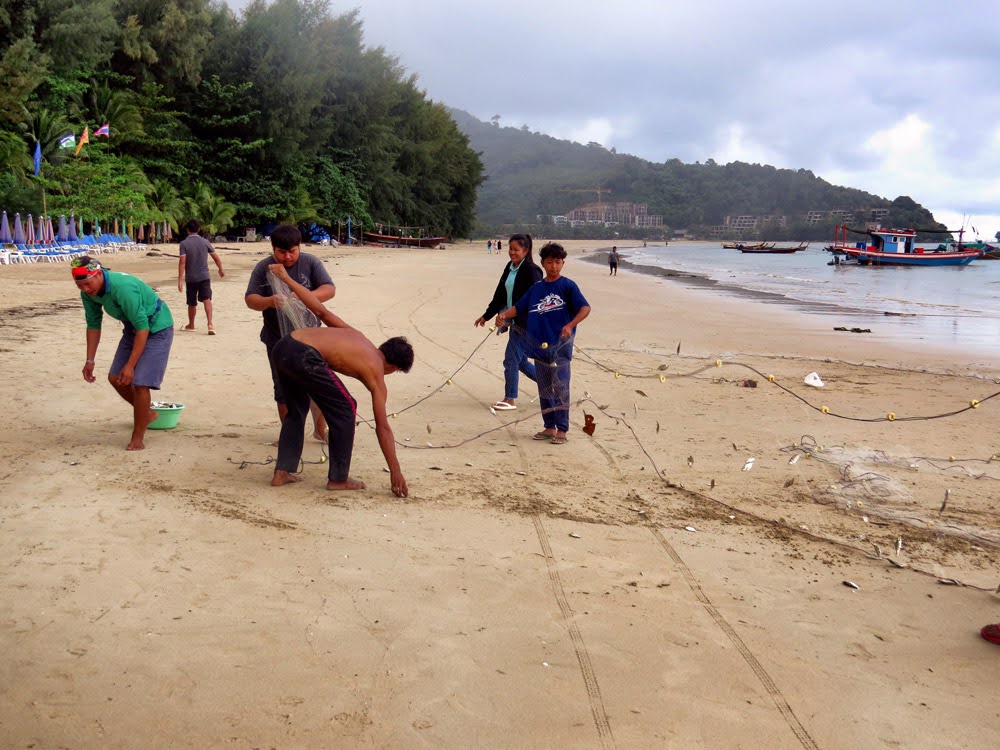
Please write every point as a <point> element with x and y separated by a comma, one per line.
<point>599,190</point>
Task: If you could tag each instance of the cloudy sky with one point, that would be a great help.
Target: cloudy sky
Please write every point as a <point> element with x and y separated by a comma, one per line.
<point>893,97</point>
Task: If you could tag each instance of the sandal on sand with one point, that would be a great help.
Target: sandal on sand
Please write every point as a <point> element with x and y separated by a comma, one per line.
<point>991,633</point>
<point>559,440</point>
<point>504,406</point>
<point>211,331</point>
<point>542,436</point>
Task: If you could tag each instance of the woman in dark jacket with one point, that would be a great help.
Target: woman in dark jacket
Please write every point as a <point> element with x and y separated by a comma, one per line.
<point>517,277</point>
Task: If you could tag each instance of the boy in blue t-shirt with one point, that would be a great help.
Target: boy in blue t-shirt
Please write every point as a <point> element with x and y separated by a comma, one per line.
<point>555,305</point>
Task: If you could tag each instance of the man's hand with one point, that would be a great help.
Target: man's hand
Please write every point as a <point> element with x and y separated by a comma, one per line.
<point>480,321</point>
<point>221,273</point>
<point>88,372</point>
<point>566,332</point>
<point>126,374</point>
<point>279,271</point>
<point>180,285</point>
<point>399,488</point>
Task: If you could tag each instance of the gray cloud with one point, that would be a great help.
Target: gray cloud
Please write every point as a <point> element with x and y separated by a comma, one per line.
<point>791,84</point>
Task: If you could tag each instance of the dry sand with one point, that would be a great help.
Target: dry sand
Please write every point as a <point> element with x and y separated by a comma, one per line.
<point>525,595</point>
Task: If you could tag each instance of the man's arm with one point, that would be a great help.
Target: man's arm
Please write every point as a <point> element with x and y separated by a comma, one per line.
<point>218,262</point>
<point>386,440</point>
<point>93,340</point>
<point>310,299</point>
<point>180,273</point>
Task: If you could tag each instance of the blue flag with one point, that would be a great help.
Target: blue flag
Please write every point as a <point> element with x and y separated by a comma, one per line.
<point>38,158</point>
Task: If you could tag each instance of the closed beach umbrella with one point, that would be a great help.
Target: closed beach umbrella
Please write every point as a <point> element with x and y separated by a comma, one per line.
<point>80,225</point>
<point>116,227</point>
<point>72,229</point>
<point>97,227</point>
<point>29,231</point>
<point>50,235</point>
<point>19,237</point>
<point>5,236</point>
<point>142,234</point>
<point>167,233</point>
<point>63,230</point>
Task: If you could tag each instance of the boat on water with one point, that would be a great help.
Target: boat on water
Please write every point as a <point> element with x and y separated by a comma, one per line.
<point>374,238</point>
<point>896,247</point>
<point>771,249</point>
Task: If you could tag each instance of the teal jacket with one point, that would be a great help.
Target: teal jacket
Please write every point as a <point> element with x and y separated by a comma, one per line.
<point>130,300</point>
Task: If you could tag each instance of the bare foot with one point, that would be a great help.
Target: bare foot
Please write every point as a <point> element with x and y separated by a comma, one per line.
<point>350,484</point>
<point>188,328</point>
<point>283,477</point>
<point>135,444</point>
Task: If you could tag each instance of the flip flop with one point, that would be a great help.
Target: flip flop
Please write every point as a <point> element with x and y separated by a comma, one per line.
<point>541,436</point>
<point>559,440</point>
<point>211,331</point>
<point>504,406</point>
<point>991,633</point>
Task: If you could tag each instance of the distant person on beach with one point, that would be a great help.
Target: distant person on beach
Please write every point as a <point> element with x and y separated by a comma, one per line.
<point>307,270</point>
<point>517,277</point>
<point>192,270</point>
<point>140,361</point>
<point>306,360</point>
<point>613,259</point>
<point>489,247</point>
<point>499,246</point>
<point>554,306</point>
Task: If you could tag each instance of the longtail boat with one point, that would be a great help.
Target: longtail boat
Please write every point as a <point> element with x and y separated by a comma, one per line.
<point>388,239</point>
<point>772,249</point>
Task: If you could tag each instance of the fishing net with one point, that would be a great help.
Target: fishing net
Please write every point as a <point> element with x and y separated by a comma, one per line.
<point>292,312</point>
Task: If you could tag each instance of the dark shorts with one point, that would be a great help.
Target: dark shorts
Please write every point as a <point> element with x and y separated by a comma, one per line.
<point>199,291</point>
<point>152,365</point>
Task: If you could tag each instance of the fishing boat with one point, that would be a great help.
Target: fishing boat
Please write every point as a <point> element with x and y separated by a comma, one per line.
<point>896,247</point>
<point>772,249</point>
<point>374,238</point>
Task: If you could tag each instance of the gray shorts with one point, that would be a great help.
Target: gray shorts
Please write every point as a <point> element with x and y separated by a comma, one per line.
<point>152,365</point>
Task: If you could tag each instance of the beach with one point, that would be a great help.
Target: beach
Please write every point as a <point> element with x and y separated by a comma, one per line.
<point>733,558</point>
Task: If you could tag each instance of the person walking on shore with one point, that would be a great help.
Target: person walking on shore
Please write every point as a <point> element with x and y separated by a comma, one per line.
<point>140,361</point>
<point>613,258</point>
<point>192,270</point>
<point>517,277</point>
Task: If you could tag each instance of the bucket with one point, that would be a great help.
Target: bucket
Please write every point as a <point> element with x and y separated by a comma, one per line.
<point>168,415</point>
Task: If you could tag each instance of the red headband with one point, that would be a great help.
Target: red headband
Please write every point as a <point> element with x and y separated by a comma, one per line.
<point>79,274</point>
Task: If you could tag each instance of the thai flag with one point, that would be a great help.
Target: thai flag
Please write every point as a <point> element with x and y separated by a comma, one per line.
<point>104,130</point>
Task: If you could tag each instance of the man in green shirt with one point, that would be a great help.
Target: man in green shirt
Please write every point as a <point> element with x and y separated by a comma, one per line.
<point>141,359</point>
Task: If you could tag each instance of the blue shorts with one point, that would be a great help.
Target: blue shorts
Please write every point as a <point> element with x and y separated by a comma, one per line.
<point>152,364</point>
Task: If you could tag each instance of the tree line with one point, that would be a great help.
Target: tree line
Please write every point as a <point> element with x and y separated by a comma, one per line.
<point>280,114</point>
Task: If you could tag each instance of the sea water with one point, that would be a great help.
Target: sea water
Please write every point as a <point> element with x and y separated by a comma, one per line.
<point>954,307</point>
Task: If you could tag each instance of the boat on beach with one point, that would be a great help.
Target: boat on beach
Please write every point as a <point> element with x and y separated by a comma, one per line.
<point>384,240</point>
<point>896,247</point>
<point>771,249</point>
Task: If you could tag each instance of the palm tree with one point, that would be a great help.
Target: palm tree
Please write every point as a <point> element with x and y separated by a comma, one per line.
<point>214,213</point>
<point>166,204</point>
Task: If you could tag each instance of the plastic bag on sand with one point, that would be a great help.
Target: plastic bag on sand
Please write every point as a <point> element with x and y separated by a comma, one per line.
<point>813,380</point>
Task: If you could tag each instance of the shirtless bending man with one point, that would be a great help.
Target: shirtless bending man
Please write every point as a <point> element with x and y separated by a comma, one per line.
<point>307,361</point>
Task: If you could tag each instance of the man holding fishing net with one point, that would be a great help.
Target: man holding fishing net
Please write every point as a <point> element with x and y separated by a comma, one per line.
<point>307,270</point>
<point>306,361</point>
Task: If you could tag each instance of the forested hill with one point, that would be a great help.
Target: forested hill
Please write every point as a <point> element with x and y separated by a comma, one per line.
<point>530,174</point>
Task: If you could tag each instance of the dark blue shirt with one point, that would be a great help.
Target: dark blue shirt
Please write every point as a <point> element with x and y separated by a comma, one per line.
<point>550,305</point>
